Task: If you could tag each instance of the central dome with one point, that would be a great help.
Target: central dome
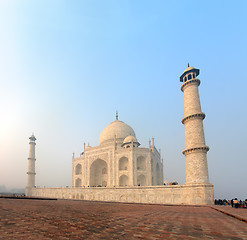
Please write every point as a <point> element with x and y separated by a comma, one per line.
<point>117,128</point>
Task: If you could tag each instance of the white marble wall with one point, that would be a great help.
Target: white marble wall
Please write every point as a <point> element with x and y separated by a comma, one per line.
<point>111,156</point>
<point>197,194</point>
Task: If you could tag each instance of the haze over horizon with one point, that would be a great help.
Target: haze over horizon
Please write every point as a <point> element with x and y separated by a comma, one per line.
<point>67,66</point>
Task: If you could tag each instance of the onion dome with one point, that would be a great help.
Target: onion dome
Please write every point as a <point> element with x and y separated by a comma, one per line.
<point>116,130</point>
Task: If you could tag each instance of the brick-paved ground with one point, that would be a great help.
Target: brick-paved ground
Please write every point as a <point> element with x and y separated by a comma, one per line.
<point>67,219</point>
<point>240,213</point>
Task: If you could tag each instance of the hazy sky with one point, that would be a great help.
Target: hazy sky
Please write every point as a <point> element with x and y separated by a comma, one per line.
<point>67,66</point>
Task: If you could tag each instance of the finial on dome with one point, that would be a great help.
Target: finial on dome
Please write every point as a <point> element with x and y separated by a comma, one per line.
<point>188,65</point>
<point>116,115</point>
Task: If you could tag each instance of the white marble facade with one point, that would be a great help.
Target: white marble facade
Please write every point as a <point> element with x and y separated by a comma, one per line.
<point>118,161</point>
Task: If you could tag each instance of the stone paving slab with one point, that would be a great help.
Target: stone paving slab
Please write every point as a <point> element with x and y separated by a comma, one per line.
<point>67,219</point>
<point>239,213</point>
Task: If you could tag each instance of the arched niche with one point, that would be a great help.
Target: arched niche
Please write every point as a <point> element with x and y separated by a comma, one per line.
<point>123,181</point>
<point>78,169</point>
<point>98,173</point>
<point>141,163</point>
<point>123,163</point>
<point>78,182</point>
<point>141,180</point>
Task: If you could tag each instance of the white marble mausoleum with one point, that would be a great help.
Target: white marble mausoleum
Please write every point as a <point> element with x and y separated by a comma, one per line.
<point>118,161</point>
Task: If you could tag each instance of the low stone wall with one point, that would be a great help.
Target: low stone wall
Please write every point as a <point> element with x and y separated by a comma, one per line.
<point>175,194</point>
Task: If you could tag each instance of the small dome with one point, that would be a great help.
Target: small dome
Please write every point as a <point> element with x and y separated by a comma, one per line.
<point>130,139</point>
<point>188,69</point>
<point>117,129</point>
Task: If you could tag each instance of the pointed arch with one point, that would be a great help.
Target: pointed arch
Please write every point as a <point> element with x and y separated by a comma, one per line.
<point>141,163</point>
<point>78,182</point>
<point>123,180</point>
<point>141,180</point>
<point>123,163</point>
<point>78,169</point>
<point>98,173</point>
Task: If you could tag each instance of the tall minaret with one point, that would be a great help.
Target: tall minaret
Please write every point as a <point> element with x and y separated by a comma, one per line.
<point>196,169</point>
<point>31,166</point>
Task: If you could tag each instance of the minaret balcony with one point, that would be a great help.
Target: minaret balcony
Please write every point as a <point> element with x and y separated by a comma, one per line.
<point>196,149</point>
<point>200,115</point>
<point>194,81</point>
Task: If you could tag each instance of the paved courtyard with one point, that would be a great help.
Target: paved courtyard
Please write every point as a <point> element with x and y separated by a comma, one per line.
<point>67,219</point>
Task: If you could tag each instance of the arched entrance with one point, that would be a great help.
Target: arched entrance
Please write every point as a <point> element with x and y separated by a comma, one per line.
<point>141,163</point>
<point>123,163</point>
<point>98,173</point>
<point>141,180</point>
<point>78,169</point>
<point>78,182</point>
<point>123,181</point>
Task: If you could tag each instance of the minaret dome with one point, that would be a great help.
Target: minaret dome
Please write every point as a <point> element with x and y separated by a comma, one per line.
<point>189,73</point>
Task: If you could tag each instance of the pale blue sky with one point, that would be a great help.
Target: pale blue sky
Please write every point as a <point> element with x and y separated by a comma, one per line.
<point>67,66</point>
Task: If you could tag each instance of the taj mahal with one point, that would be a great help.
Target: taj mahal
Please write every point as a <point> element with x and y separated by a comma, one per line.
<point>120,170</point>
<point>118,161</point>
